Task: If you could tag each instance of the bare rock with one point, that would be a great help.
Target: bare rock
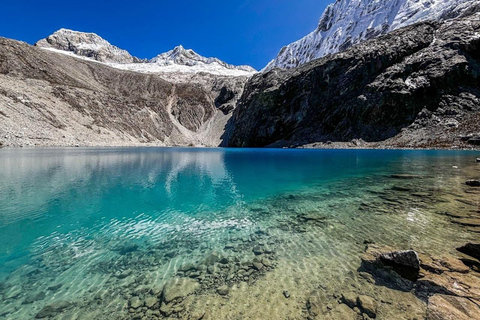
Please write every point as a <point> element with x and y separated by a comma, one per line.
<point>444,307</point>
<point>405,263</point>
<point>449,283</point>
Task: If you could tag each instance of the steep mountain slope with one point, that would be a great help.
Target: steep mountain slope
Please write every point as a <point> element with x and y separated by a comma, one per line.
<point>53,99</point>
<point>418,86</point>
<point>348,22</point>
<point>92,46</point>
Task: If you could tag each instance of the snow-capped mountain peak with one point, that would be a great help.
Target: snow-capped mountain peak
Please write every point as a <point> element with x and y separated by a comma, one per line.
<point>88,45</point>
<point>91,46</point>
<point>348,22</point>
<point>187,57</point>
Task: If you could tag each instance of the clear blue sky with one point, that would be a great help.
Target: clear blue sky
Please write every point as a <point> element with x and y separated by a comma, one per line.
<point>237,31</point>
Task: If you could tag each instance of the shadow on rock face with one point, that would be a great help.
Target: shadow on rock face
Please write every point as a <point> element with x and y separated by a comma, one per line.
<point>388,267</point>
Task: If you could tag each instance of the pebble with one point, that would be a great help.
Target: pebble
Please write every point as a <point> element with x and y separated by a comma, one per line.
<point>286,294</point>
<point>135,303</point>
<point>223,290</point>
<point>150,301</point>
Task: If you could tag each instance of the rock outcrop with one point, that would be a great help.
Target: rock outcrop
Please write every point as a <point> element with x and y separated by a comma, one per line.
<point>415,87</point>
<point>52,99</point>
<point>449,287</point>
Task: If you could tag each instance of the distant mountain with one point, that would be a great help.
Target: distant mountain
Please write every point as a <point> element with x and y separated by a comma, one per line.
<point>348,22</point>
<point>87,45</point>
<point>92,46</point>
<point>181,56</point>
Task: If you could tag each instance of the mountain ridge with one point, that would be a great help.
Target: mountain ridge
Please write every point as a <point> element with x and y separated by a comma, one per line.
<point>91,46</point>
<point>348,22</point>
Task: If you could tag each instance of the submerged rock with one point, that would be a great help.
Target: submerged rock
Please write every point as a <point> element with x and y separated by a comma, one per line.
<point>350,299</point>
<point>404,176</point>
<point>34,297</point>
<point>135,303</point>
<point>223,290</point>
<point>179,288</point>
<point>53,309</point>
<point>368,305</point>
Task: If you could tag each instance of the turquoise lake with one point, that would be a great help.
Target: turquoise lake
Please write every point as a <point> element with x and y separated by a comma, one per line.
<point>95,229</point>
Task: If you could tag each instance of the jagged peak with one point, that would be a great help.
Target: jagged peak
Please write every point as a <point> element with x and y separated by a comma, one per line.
<point>179,59</point>
<point>86,44</point>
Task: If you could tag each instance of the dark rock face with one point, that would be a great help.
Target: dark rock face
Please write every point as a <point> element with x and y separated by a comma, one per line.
<point>473,183</point>
<point>405,263</point>
<point>471,249</point>
<point>415,87</point>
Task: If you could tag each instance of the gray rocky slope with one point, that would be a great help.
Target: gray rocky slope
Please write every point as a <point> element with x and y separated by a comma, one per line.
<point>52,99</point>
<point>418,86</point>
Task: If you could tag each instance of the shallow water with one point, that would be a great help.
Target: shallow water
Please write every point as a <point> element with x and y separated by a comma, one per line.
<point>95,228</point>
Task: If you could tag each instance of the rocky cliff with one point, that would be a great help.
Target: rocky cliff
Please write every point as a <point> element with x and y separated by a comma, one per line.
<point>53,99</point>
<point>347,22</point>
<point>418,86</point>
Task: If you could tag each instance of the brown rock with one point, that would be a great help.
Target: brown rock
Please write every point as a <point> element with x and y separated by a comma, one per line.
<point>368,305</point>
<point>443,307</point>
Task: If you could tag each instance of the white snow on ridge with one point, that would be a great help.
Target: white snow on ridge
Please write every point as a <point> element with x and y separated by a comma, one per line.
<point>145,67</point>
<point>91,47</point>
<point>348,22</point>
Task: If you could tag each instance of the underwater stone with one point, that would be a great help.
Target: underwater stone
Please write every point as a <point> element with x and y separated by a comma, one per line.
<point>350,299</point>
<point>179,288</point>
<point>53,309</point>
<point>150,301</point>
<point>212,258</point>
<point>135,303</point>
<point>33,298</point>
<point>223,290</point>
<point>368,305</point>
<point>257,250</point>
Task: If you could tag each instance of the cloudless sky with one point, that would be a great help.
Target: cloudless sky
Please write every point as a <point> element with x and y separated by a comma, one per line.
<point>236,31</point>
